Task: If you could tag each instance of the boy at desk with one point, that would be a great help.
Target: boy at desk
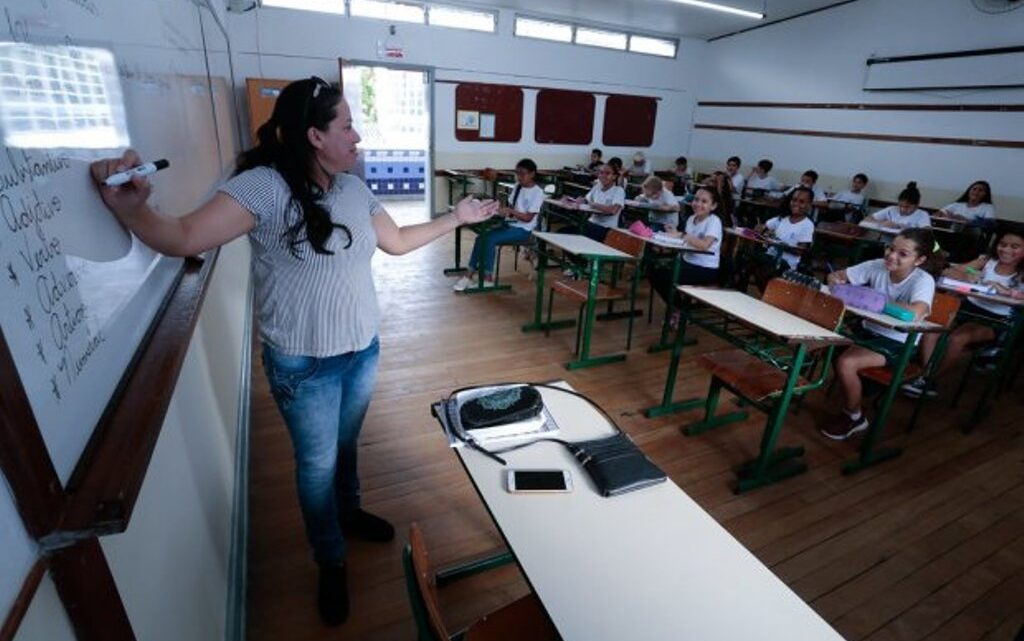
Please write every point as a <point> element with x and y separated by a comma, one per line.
<point>665,207</point>
<point>595,160</point>
<point>900,277</point>
<point>682,175</point>
<point>605,200</point>
<point>759,178</point>
<point>906,214</point>
<point>809,181</point>
<point>640,166</point>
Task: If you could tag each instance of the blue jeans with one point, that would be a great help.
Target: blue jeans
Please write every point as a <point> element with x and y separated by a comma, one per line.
<point>323,402</point>
<point>488,243</point>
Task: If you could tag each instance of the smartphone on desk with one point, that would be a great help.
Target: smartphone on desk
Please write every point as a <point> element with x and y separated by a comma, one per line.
<point>538,481</point>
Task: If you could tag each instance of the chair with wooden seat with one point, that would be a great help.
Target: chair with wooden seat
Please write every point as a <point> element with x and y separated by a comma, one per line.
<point>759,374</point>
<point>522,619</point>
<point>579,290</point>
<point>943,312</point>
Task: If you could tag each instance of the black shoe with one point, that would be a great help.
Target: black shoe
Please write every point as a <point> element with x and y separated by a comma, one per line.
<point>368,527</point>
<point>332,597</point>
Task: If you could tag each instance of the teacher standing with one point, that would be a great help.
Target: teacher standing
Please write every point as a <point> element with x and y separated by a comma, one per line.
<point>313,231</point>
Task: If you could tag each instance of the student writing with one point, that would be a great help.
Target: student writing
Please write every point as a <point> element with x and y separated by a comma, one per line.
<point>906,214</point>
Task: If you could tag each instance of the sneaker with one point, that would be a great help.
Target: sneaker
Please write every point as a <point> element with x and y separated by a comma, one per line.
<point>461,284</point>
<point>917,387</point>
<point>332,594</point>
<point>845,427</point>
<point>368,527</point>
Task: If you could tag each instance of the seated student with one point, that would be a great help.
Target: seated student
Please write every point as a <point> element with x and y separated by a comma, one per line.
<point>1004,272</point>
<point>855,194</point>
<point>682,174</point>
<point>900,277</point>
<point>640,166</point>
<point>809,180</point>
<point>974,205</point>
<point>595,160</point>
<point>667,212</point>
<point>732,168</point>
<point>906,214</point>
<point>607,199</point>
<point>522,214</point>
<point>621,175</point>
<point>703,231</point>
<point>794,229</point>
<point>759,178</point>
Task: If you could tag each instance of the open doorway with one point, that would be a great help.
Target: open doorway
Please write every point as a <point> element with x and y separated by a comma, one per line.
<point>391,111</point>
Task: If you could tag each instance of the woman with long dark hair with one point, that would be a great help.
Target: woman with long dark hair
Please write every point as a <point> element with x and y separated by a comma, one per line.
<point>313,230</point>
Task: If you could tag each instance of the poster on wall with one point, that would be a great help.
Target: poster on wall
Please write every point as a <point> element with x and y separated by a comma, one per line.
<point>487,122</point>
<point>468,120</point>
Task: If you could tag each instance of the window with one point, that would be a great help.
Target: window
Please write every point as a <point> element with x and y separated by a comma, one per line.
<point>652,46</point>
<point>325,6</point>
<point>530,28</point>
<point>596,38</point>
<point>394,11</point>
<point>441,16</point>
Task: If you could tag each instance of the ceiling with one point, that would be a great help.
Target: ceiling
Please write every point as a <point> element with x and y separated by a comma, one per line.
<point>659,16</point>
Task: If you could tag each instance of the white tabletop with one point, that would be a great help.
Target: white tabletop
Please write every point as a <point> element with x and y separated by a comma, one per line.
<point>678,245</point>
<point>870,224</point>
<point>764,240</point>
<point>558,202</point>
<point>762,315</point>
<point>581,245</point>
<point>894,323</point>
<point>995,298</point>
<point>646,565</point>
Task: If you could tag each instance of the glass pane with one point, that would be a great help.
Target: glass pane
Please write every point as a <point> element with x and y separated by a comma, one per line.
<point>395,11</point>
<point>326,6</point>
<point>545,30</point>
<point>461,18</point>
<point>653,46</point>
<point>595,38</point>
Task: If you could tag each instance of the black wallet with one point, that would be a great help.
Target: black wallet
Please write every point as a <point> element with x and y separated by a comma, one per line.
<point>616,465</point>
<point>501,407</point>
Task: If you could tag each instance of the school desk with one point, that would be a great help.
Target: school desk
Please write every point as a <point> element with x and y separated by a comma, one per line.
<point>997,380</point>
<point>649,564</point>
<point>849,240</point>
<point>596,254</point>
<point>481,229</point>
<point>869,454</point>
<point>786,351</point>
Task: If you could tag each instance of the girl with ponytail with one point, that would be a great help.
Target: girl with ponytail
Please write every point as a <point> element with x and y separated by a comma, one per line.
<point>313,229</point>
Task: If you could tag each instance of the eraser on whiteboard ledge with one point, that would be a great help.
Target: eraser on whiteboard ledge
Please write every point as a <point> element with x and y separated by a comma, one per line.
<point>898,312</point>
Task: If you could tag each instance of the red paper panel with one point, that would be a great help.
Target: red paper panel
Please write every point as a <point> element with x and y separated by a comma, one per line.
<point>629,121</point>
<point>564,117</point>
<point>504,101</point>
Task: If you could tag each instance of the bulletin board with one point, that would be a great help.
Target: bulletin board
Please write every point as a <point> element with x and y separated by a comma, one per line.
<point>564,117</point>
<point>629,121</point>
<point>488,113</point>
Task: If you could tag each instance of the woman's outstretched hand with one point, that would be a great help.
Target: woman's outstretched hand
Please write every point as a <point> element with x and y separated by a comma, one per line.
<point>469,210</point>
<point>127,198</point>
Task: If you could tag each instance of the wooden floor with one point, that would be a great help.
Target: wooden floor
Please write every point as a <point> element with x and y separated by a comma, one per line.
<point>928,546</point>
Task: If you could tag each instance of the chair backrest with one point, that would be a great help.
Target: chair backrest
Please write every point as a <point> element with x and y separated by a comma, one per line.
<point>421,587</point>
<point>624,243</point>
<point>944,309</point>
<point>809,304</point>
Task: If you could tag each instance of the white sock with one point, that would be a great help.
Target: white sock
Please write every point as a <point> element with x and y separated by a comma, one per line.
<point>855,415</point>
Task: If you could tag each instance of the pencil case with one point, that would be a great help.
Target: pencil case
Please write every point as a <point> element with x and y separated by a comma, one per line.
<point>860,297</point>
<point>898,312</point>
<point>503,406</point>
<point>641,229</point>
<point>616,465</point>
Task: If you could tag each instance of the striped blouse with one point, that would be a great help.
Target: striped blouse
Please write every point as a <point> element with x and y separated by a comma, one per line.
<point>314,304</point>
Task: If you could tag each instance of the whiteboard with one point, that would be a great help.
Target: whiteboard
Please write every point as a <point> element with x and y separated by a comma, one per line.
<point>19,550</point>
<point>1001,70</point>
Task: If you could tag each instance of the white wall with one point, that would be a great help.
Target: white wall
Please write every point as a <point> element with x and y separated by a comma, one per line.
<point>288,44</point>
<point>821,58</point>
<point>171,566</point>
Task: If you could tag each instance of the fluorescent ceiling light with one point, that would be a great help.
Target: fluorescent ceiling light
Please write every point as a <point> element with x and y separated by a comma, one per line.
<point>723,8</point>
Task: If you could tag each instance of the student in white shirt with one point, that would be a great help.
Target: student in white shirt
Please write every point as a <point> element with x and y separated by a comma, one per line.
<point>732,168</point>
<point>703,231</point>
<point>620,173</point>
<point>667,211</point>
<point>900,277</point>
<point>855,194</point>
<point>640,166</point>
<point>606,199</point>
<point>522,214</point>
<point>1004,271</point>
<point>809,179</point>
<point>759,178</point>
<point>682,174</point>
<point>974,205</point>
<point>794,229</point>
<point>847,205</point>
<point>906,214</point>
<point>595,160</point>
